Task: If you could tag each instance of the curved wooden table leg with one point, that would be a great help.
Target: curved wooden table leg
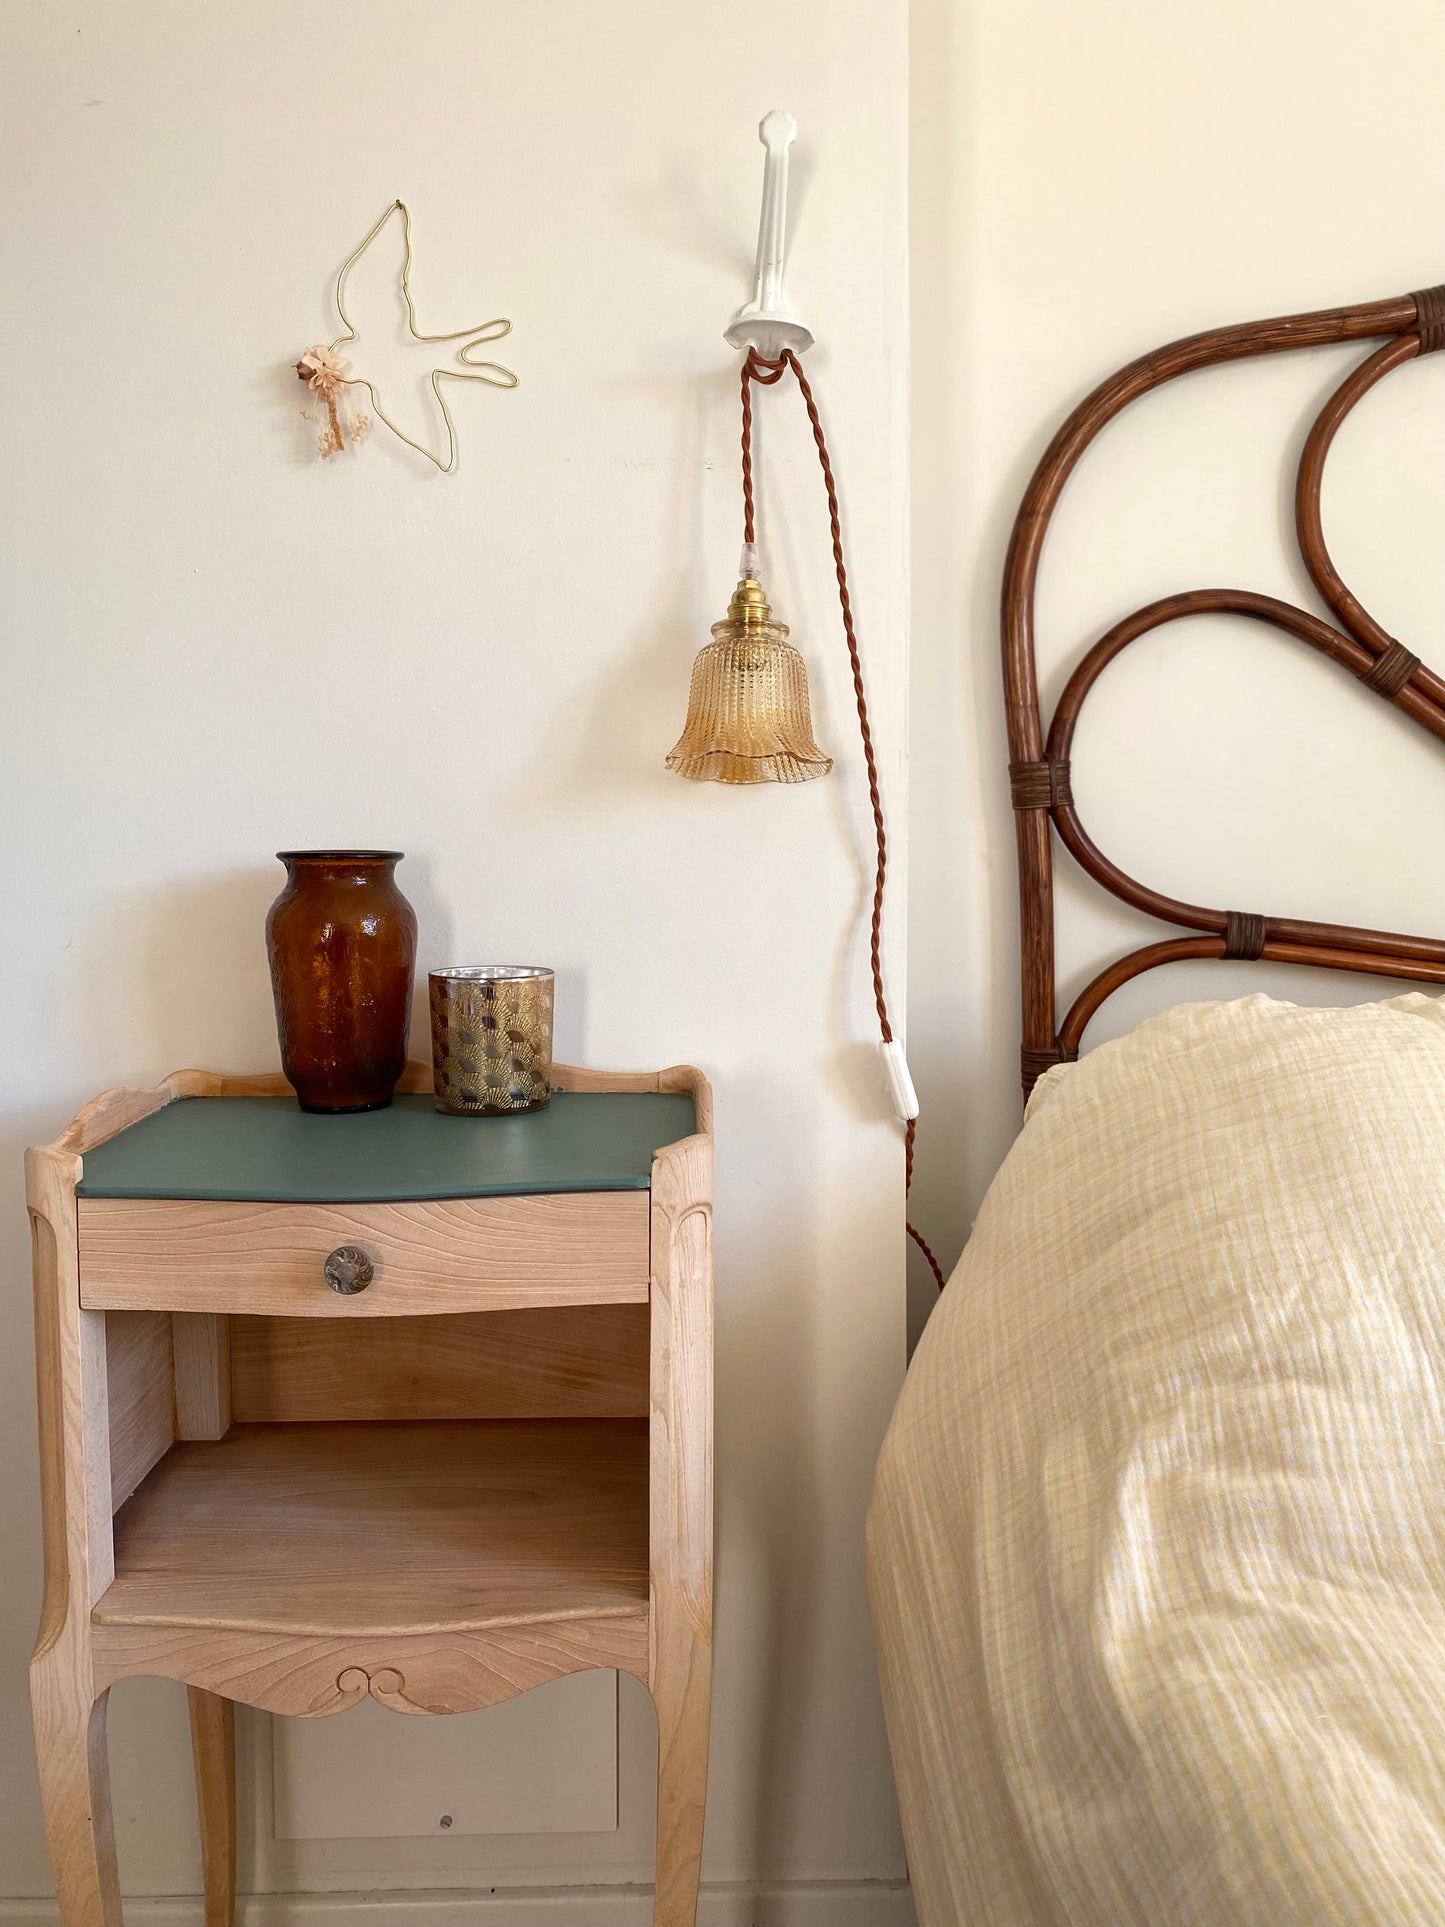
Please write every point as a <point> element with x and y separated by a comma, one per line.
<point>213,1749</point>
<point>680,1670</point>
<point>75,1510</point>
<point>75,1793</point>
<point>682,1695</point>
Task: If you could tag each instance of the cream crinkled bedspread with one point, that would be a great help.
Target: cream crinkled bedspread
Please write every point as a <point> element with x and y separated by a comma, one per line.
<point>1157,1547</point>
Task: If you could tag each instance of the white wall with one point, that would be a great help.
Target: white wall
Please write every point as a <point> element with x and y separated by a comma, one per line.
<point>216,647</point>
<point>1092,180</point>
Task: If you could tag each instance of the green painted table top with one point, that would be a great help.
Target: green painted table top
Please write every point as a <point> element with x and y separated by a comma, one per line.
<point>267,1148</point>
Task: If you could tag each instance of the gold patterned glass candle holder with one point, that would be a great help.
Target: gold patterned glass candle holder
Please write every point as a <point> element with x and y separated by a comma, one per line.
<point>491,1038</point>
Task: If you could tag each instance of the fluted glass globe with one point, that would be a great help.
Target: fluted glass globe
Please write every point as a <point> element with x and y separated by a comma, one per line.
<point>748,715</point>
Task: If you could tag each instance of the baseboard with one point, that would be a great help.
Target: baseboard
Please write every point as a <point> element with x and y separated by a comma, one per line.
<point>841,1903</point>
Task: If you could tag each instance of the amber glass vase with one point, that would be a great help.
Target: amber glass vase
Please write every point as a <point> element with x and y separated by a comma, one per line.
<point>342,942</point>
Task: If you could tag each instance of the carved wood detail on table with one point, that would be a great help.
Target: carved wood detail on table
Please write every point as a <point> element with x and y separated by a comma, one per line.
<point>309,1676</point>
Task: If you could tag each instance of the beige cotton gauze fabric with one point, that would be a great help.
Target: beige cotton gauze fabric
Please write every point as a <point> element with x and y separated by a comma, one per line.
<point>1157,1546</point>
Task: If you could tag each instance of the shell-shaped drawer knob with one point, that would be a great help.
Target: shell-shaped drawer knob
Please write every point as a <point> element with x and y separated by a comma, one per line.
<point>349,1270</point>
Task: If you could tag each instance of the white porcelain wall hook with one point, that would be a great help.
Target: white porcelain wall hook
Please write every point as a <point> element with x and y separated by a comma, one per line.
<point>766,322</point>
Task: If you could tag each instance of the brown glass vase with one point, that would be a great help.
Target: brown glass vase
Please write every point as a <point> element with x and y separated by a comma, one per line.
<point>342,943</point>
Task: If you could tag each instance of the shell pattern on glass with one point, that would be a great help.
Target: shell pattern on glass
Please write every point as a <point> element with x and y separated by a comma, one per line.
<point>491,1029</point>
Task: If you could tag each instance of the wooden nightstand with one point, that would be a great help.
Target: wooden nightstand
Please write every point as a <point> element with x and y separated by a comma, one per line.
<point>395,1404</point>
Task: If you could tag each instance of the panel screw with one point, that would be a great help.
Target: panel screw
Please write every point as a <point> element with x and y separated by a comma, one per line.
<point>445,1820</point>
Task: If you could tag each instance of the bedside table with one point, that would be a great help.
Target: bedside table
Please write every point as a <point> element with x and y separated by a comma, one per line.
<point>391,1404</point>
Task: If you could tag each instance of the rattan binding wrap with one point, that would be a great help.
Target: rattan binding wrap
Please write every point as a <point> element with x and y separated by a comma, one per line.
<point>1430,318</point>
<point>1390,671</point>
<point>1039,766</point>
<point>1244,935</point>
<point>1039,786</point>
<point>1034,1063</point>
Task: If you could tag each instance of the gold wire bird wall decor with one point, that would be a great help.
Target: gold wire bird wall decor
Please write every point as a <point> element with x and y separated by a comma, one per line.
<point>324,370</point>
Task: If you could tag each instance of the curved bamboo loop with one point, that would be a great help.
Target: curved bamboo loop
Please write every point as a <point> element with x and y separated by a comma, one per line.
<point>1308,519</point>
<point>1279,615</point>
<point>1181,949</point>
<point>1411,687</point>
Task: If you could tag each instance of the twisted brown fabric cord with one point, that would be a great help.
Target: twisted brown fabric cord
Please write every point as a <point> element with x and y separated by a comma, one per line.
<point>767,374</point>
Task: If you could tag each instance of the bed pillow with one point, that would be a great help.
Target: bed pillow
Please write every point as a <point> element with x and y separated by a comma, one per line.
<point>1157,1547</point>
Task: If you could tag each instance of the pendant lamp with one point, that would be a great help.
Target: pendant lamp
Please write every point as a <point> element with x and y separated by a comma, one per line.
<point>748,715</point>
<point>748,719</point>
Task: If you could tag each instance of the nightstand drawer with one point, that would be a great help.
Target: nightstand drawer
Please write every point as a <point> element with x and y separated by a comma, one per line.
<point>440,1255</point>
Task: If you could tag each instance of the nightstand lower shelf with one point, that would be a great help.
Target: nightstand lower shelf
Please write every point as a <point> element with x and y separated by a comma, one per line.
<point>438,1566</point>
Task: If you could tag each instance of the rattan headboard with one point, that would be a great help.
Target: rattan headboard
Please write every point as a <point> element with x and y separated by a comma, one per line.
<point>1039,763</point>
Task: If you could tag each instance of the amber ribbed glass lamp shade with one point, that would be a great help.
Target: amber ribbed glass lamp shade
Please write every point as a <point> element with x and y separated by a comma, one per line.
<point>748,718</point>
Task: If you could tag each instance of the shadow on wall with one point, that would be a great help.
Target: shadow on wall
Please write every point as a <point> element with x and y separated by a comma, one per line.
<point>771,1529</point>
<point>181,968</point>
<point>776,1534</point>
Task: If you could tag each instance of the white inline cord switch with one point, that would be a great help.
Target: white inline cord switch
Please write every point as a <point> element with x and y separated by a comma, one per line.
<point>900,1082</point>
<point>766,322</point>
